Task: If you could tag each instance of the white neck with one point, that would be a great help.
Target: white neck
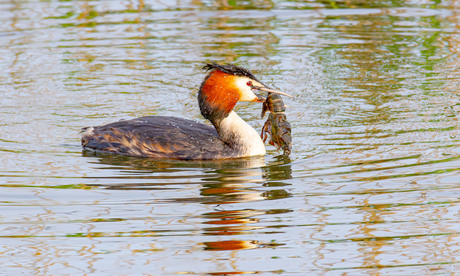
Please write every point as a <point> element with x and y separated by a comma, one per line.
<point>236,132</point>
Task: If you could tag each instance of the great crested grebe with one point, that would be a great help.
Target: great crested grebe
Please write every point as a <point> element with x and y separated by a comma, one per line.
<point>177,138</point>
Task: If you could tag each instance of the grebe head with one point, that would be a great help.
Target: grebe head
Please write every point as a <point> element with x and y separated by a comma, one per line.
<point>224,86</point>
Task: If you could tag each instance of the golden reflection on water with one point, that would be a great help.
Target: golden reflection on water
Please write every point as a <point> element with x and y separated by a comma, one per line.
<point>370,188</point>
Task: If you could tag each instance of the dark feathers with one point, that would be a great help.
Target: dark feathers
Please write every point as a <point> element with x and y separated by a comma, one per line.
<point>230,69</point>
<point>157,137</point>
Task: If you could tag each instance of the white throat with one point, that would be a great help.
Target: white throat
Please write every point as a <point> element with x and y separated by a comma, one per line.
<point>236,132</point>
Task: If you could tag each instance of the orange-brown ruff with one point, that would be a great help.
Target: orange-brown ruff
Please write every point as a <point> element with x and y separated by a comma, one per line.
<point>176,138</point>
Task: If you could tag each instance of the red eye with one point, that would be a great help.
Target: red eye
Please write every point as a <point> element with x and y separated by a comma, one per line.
<point>249,83</point>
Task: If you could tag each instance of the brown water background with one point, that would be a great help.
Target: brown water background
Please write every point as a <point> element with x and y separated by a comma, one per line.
<point>372,186</point>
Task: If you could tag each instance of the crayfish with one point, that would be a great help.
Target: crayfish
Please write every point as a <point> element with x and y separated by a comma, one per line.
<point>276,125</point>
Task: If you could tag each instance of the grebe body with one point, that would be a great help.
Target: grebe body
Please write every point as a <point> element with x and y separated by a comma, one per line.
<point>177,138</point>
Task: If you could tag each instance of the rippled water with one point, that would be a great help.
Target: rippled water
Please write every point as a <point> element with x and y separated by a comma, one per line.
<point>372,184</point>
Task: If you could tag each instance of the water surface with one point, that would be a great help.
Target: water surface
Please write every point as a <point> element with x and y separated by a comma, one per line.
<point>372,184</point>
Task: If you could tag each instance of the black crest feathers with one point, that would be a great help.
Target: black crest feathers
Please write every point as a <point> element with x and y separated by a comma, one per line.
<point>230,69</point>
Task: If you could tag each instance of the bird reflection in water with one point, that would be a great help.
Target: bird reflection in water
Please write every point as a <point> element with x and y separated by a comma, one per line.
<point>226,183</point>
<point>236,188</point>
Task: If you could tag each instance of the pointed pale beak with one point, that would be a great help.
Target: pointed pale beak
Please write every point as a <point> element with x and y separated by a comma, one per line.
<point>269,90</point>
